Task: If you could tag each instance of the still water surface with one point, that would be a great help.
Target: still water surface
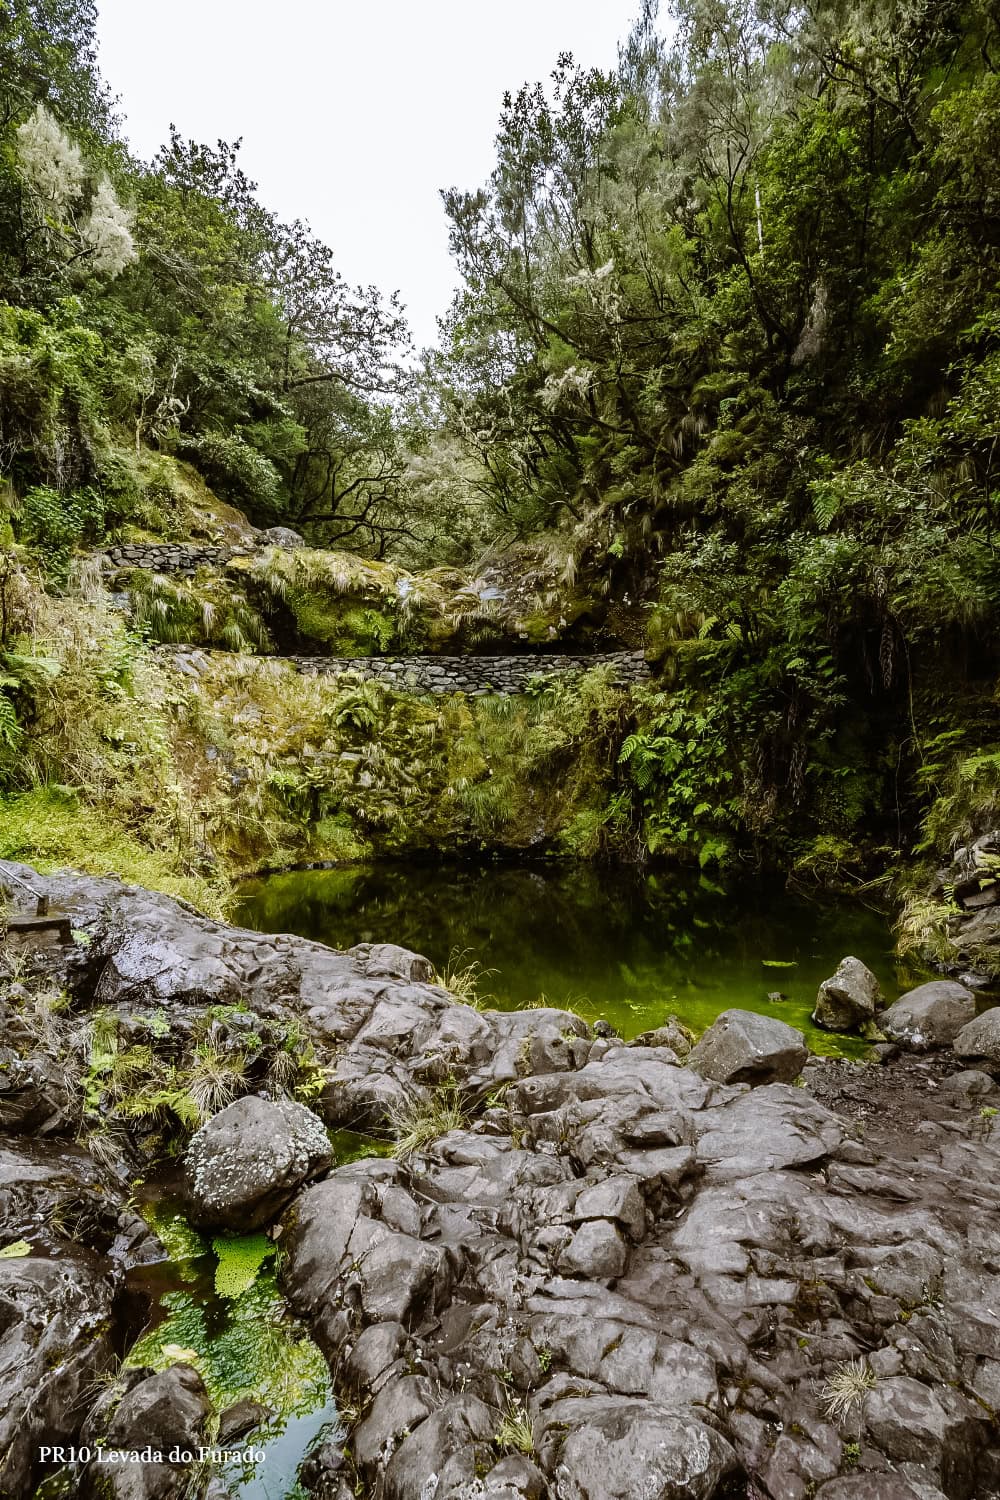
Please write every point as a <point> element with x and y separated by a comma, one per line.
<point>630,947</point>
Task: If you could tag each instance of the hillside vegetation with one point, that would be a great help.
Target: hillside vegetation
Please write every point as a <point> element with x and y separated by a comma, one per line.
<point>726,356</point>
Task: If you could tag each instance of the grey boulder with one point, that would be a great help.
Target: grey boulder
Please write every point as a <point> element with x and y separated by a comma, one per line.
<point>877,1486</point>
<point>933,1427</point>
<point>744,1047</point>
<point>243,1166</point>
<point>672,1034</point>
<point>969,1085</point>
<point>283,536</point>
<point>932,1015</point>
<point>165,1410</point>
<point>596,1251</point>
<point>849,998</point>
<point>980,1039</point>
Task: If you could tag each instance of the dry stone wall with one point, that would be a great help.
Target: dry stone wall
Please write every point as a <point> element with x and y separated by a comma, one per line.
<point>167,557</point>
<point>475,675</point>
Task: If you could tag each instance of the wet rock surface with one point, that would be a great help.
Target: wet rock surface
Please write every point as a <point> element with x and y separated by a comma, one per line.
<point>54,1345</point>
<point>35,1096</point>
<point>160,1412</point>
<point>617,1277</point>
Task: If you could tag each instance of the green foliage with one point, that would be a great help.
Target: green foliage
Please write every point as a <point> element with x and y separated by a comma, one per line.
<point>965,789</point>
<point>236,470</point>
<point>678,761</point>
<point>730,314</point>
<point>10,728</point>
<point>141,1076</point>
<point>206,611</point>
<point>728,338</point>
<point>162,305</point>
<point>52,524</point>
<point>52,828</point>
<point>239,1259</point>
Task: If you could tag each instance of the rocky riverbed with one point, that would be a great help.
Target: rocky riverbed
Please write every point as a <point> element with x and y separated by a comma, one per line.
<point>591,1271</point>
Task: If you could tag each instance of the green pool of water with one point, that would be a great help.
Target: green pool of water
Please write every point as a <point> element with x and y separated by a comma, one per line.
<point>632,948</point>
<point>245,1346</point>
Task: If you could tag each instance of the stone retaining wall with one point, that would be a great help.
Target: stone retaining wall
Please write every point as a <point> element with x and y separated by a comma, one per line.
<point>475,675</point>
<point>167,557</point>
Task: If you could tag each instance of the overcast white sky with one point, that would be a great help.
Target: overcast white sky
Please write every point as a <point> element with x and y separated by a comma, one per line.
<point>353,116</point>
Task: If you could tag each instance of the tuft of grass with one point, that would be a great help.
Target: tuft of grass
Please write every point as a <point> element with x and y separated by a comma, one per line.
<point>38,1015</point>
<point>463,977</point>
<point>847,1388</point>
<point>421,1121</point>
<point>515,1431</point>
<point>215,1079</point>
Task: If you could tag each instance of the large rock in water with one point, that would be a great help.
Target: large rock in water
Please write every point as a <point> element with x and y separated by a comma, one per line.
<point>244,1165</point>
<point>980,1039</point>
<point>932,1015</point>
<point>744,1047</point>
<point>848,999</point>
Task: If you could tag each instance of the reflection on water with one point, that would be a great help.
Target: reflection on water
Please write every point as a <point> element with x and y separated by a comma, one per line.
<point>630,947</point>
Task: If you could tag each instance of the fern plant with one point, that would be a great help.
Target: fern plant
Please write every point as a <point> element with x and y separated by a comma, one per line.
<point>10,729</point>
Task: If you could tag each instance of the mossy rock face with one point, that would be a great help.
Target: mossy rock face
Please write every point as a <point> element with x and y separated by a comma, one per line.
<point>567,616</point>
<point>344,626</point>
<point>165,499</point>
<point>207,610</point>
<point>343,768</point>
<point>335,604</point>
<point>341,605</point>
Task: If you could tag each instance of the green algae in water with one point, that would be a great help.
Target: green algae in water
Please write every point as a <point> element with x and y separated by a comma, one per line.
<point>245,1347</point>
<point>632,948</point>
<point>351,1145</point>
<point>238,1260</point>
<point>181,1242</point>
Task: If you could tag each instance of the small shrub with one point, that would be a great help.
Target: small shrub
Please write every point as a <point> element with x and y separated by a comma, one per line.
<point>515,1430</point>
<point>53,524</point>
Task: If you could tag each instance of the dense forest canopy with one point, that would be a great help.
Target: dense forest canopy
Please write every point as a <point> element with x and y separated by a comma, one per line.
<point>727,339</point>
<point>732,313</point>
